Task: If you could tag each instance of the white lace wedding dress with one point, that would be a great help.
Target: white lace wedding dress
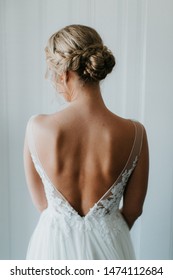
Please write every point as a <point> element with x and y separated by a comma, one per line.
<point>62,233</point>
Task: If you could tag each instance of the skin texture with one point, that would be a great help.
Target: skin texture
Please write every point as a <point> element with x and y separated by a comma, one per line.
<point>83,149</point>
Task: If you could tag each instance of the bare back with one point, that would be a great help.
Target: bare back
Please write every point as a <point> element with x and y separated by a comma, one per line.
<point>83,153</point>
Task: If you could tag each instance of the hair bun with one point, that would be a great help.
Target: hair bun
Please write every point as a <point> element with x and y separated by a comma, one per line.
<point>98,62</point>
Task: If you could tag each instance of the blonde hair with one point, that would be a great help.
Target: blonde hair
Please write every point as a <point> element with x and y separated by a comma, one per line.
<point>79,48</point>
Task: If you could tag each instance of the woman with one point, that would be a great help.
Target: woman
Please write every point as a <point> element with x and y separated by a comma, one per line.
<point>81,161</point>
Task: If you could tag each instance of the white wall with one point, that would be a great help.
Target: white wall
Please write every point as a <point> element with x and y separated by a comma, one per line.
<point>140,35</point>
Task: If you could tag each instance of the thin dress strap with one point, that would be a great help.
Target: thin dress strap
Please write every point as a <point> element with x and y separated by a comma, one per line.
<point>131,162</point>
<point>137,145</point>
<point>30,138</point>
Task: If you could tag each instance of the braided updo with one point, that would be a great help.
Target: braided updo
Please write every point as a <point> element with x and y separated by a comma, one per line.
<point>80,49</point>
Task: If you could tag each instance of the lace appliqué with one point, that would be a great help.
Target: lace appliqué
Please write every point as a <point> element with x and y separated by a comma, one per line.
<point>58,208</point>
<point>105,205</point>
<point>105,213</point>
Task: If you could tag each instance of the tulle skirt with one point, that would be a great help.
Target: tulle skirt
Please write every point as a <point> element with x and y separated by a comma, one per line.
<point>55,240</point>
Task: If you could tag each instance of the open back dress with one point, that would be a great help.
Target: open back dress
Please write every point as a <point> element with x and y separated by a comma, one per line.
<point>61,233</point>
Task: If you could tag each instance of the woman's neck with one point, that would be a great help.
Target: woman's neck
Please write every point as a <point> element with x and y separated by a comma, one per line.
<point>88,97</point>
<point>85,95</point>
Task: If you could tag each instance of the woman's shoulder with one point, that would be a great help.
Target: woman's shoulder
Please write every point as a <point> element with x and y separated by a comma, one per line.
<point>47,123</point>
<point>130,122</point>
<point>127,127</point>
<point>37,123</point>
<point>37,120</point>
<point>41,119</point>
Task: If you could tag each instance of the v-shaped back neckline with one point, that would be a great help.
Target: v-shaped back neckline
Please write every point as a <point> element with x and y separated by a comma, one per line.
<point>91,209</point>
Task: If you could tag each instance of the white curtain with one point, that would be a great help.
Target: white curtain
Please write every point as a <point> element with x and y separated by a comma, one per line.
<point>140,34</point>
